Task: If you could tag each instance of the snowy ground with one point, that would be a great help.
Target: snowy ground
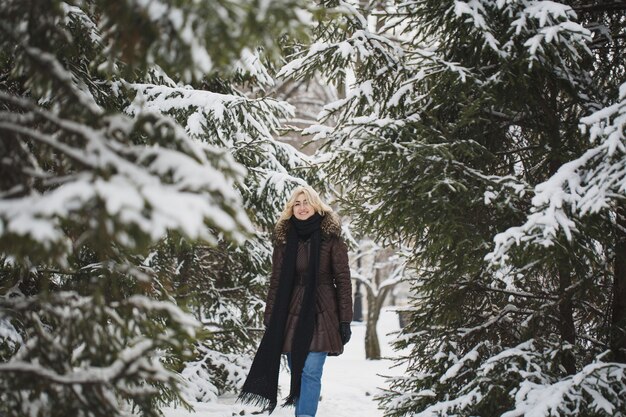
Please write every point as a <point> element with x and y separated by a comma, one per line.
<point>349,382</point>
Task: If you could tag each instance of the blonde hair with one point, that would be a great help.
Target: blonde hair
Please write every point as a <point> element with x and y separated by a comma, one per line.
<point>313,198</point>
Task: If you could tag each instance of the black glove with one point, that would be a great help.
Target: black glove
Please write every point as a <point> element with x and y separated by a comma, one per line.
<point>345,332</point>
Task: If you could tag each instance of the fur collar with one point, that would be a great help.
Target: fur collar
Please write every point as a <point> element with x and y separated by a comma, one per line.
<point>330,227</point>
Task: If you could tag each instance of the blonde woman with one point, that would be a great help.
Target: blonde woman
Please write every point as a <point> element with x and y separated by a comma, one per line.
<point>309,304</point>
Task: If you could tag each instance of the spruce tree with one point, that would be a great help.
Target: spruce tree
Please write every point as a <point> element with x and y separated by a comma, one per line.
<point>457,112</point>
<point>225,284</point>
<point>105,193</point>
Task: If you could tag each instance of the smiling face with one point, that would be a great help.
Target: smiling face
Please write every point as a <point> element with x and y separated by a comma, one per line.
<point>302,208</point>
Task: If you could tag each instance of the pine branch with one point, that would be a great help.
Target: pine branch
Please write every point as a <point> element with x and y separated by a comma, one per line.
<point>600,7</point>
<point>477,286</point>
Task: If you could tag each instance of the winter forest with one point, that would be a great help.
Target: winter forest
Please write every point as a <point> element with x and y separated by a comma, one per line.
<point>474,149</point>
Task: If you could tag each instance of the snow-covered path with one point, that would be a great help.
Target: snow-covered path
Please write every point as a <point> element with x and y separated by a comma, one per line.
<point>349,382</point>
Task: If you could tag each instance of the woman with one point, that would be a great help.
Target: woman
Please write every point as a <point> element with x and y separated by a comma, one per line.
<point>309,304</point>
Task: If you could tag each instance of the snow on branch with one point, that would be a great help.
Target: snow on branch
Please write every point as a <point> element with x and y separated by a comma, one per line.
<point>86,346</point>
<point>200,375</point>
<point>74,86</point>
<point>598,387</point>
<point>538,23</point>
<point>87,375</point>
<point>587,185</point>
<point>535,390</point>
<point>153,187</point>
<point>222,112</point>
<point>360,44</point>
<point>243,127</point>
<point>475,11</point>
<point>250,63</point>
<point>9,335</point>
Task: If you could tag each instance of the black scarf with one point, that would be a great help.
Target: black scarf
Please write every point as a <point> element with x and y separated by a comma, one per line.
<point>261,386</point>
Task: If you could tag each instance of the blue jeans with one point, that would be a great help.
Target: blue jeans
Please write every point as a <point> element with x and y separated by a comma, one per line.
<point>306,404</point>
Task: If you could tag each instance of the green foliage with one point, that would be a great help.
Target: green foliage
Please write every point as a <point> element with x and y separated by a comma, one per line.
<point>457,111</point>
<point>69,367</point>
<point>119,219</point>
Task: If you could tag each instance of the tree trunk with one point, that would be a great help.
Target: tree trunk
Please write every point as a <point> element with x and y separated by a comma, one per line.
<point>618,317</point>
<point>372,345</point>
<point>374,305</point>
<point>557,143</point>
<point>566,319</point>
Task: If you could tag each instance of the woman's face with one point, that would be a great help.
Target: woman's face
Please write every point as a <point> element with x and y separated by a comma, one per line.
<point>301,207</point>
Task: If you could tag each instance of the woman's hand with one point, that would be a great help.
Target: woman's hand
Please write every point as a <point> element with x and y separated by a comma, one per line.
<point>345,332</point>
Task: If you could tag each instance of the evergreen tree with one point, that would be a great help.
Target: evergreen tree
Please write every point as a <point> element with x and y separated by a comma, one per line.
<point>459,109</point>
<point>105,192</point>
<point>226,285</point>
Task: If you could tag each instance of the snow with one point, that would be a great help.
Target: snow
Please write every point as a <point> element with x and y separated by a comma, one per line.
<point>349,384</point>
<point>8,334</point>
<point>549,21</point>
<point>163,99</point>
<point>187,321</point>
<point>542,10</point>
<point>473,8</point>
<point>134,356</point>
<point>250,63</point>
<point>539,400</point>
<point>152,187</point>
<point>454,370</point>
<point>235,119</point>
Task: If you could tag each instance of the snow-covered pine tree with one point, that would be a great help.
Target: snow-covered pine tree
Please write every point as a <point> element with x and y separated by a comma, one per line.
<point>457,111</point>
<point>92,177</point>
<point>582,204</point>
<point>225,285</point>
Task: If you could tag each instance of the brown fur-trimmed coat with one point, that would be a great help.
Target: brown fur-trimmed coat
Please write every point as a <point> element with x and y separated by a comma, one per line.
<point>334,288</point>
